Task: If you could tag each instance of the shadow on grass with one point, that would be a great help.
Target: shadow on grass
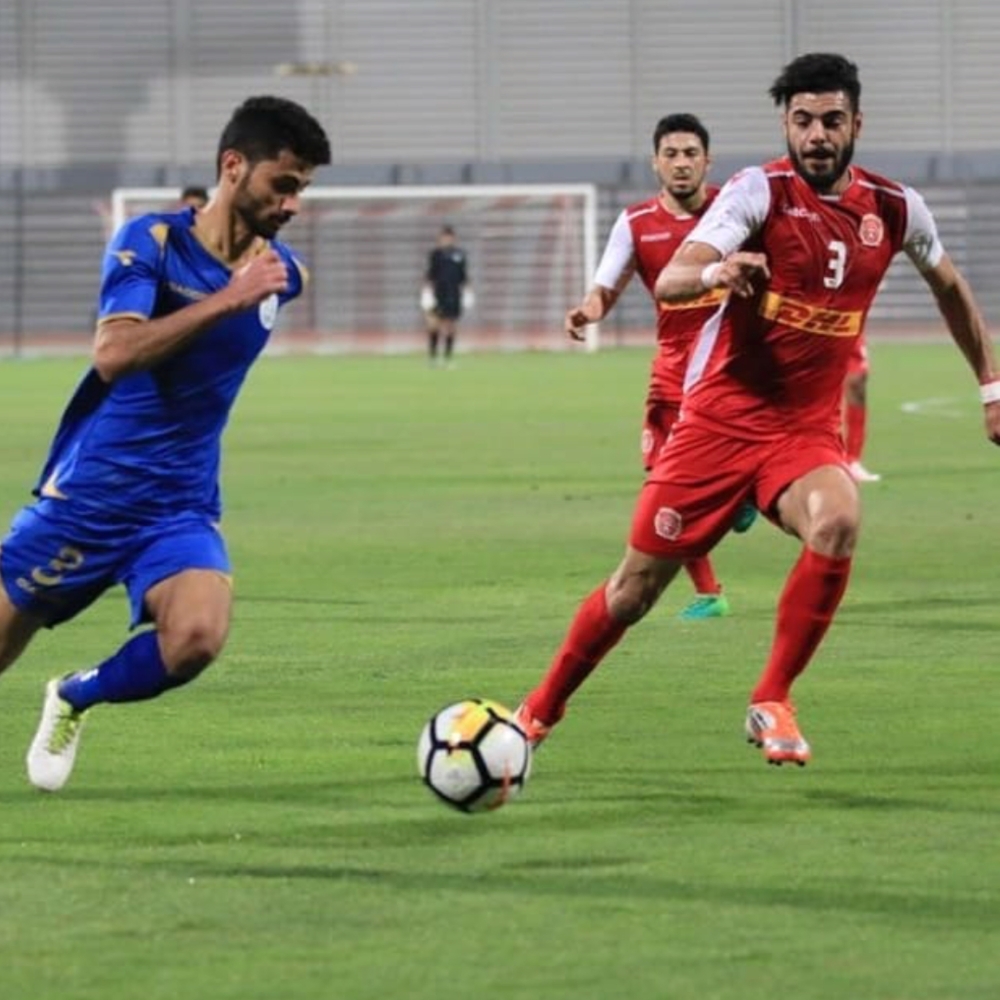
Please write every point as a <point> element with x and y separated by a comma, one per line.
<point>601,879</point>
<point>609,797</point>
<point>910,611</point>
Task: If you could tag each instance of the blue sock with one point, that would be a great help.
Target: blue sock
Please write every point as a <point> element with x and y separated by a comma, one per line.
<point>135,673</point>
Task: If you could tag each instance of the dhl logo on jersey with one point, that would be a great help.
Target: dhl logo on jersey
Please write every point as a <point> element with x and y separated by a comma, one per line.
<point>712,298</point>
<point>811,319</point>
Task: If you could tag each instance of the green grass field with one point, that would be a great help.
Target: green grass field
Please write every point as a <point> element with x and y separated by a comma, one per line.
<point>405,537</point>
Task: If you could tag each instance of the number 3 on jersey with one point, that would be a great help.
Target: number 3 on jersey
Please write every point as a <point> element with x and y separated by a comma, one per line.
<point>835,265</point>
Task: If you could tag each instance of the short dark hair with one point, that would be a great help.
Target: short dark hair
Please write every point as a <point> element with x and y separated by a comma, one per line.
<point>262,127</point>
<point>817,73</point>
<point>447,230</point>
<point>194,191</point>
<point>681,122</point>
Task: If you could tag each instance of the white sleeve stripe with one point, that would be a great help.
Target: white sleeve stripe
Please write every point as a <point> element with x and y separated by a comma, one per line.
<point>702,350</point>
<point>618,254</point>
<point>921,242</point>
<point>639,212</point>
<point>882,187</point>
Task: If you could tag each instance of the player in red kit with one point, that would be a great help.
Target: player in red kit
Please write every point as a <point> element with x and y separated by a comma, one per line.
<point>642,240</point>
<point>856,412</point>
<point>801,245</point>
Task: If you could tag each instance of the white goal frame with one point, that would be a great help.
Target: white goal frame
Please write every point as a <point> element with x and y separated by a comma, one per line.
<point>121,197</point>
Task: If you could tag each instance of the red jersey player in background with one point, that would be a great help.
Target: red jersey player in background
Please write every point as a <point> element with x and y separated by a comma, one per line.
<point>642,240</point>
<point>801,244</point>
<point>856,412</point>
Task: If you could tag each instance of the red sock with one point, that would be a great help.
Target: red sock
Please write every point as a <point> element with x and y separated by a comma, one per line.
<point>806,608</point>
<point>592,635</point>
<point>854,430</point>
<point>703,576</point>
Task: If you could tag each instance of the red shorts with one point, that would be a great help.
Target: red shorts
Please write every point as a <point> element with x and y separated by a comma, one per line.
<point>660,417</point>
<point>701,479</point>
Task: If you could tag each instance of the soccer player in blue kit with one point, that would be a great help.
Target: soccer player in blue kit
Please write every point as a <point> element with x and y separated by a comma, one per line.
<point>129,494</point>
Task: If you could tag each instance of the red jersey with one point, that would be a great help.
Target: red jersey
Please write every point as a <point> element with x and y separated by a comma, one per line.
<point>777,361</point>
<point>653,236</point>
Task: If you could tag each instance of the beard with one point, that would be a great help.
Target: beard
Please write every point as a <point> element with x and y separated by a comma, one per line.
<point>822,174</point>
<point>253,215</point>
<point>683,191</point>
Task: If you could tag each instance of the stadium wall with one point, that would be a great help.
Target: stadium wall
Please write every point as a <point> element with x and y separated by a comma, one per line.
<point>114,93</point>
<point>147,86</point>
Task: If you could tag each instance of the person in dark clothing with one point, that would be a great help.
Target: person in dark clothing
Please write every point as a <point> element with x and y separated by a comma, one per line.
<point>446,293</point>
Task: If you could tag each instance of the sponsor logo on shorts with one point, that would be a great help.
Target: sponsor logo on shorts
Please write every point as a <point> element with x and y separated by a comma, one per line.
<point>811,319</point>
<point>668,524</point>
<point>871,231</point>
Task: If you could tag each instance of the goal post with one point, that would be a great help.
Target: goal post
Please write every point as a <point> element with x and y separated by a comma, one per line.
<point>532,252</point>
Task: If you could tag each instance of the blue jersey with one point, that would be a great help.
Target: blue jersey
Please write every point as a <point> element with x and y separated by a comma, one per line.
<point>148,444</point>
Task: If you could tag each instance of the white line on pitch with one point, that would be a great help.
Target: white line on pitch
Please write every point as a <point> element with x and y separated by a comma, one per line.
<point>937,406</point>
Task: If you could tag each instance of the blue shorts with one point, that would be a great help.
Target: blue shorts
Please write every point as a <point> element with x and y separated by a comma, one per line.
<point>55,562</point>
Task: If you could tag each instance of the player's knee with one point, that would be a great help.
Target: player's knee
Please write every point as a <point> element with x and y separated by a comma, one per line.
<point>834,533</point>
<point>190,647</point>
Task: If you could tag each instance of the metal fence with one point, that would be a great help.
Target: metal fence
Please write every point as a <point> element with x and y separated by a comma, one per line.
<point>51,251</point>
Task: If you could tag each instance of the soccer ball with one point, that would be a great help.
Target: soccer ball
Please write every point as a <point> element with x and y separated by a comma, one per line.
<point>473,755</point>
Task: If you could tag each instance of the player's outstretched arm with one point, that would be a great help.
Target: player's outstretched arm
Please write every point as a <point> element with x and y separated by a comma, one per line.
<point>127,345</point>
<point>597,303</point>
<point>965,323</point>
<point>697,268</point>
<point>614,272</point>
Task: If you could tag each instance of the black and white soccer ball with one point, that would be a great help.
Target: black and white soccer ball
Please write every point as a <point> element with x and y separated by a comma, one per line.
<point>473,755</point>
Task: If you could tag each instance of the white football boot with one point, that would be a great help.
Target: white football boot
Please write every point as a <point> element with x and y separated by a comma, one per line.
<point>53,750</point>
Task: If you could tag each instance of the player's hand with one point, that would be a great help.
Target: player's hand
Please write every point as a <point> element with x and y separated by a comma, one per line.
<point>576,320</point>
<point>741,273</point>
<point>991,414</point>
<point>265,275</point>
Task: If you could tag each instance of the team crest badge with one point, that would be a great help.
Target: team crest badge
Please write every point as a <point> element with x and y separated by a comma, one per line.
<point>871,230</point>
<point>668,524</point>
<point>268,312</point>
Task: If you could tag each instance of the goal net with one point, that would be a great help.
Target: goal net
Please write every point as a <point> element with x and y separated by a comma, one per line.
<point>531,249</point>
